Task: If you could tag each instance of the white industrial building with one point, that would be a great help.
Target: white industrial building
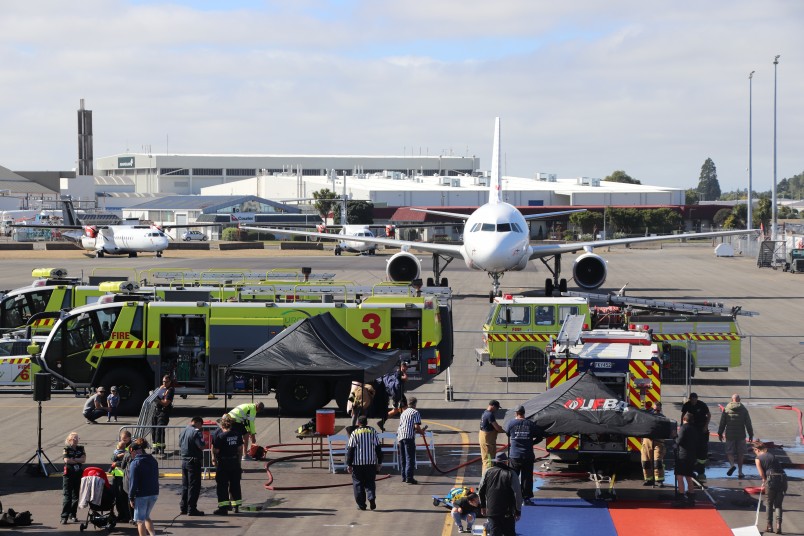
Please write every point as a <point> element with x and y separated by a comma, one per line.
<point>393,181</point>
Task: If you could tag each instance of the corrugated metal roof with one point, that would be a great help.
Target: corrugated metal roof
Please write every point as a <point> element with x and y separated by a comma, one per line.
<point>17,184</point>
<point>207,203</point>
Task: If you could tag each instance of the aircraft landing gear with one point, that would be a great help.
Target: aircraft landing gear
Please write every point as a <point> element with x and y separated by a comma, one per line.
<point>556,282</point>
<point>337,250</point>
<point>495,290</point>
<point>158,253</point>
<point>99,254</point>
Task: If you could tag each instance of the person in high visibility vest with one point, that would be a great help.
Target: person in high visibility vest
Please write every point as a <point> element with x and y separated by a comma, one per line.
<point>244,419</point>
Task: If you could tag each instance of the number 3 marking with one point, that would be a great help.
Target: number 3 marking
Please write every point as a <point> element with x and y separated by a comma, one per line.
<point>374,328</point>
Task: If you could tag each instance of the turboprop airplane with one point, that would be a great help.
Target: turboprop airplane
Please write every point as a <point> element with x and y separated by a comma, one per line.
<point>496,240</point>
<point>114,239</point>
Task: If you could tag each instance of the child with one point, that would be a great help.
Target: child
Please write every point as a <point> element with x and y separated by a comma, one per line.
<point>113,400</point>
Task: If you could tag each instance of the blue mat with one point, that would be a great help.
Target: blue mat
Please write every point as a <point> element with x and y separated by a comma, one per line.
<point>565,517</point>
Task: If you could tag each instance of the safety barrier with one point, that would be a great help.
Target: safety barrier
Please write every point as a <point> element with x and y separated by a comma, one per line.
<point>169,456</point>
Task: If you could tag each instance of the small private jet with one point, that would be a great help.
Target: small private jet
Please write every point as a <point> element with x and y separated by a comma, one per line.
<point>496,240</point>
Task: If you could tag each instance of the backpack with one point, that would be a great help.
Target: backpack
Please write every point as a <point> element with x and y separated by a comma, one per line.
<point>458,493</point>
<point>361,398</point>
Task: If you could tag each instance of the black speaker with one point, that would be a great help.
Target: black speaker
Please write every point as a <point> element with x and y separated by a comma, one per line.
<point>41,386</point>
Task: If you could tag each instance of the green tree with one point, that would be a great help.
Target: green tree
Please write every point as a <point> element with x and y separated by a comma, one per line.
<point>708,186</point>
<point>691,197</point>
<point>326,201</point>
<point>621,176</point>
<point>721,215</point>
<point>762,214</point>
<point>360,212</point>
<point>587,221</point>
<point>231,234</point>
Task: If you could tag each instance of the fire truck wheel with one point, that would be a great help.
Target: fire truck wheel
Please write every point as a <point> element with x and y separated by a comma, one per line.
<point>131,386</point>
<point>301,396</point>
<point>675,374</point>
<point>529,364</point>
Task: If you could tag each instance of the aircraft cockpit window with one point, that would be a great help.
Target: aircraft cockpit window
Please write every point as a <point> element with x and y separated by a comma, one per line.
<point>488,227</point>
<point>515,228</point>
<point>475,227</point>
<point>503,227</point>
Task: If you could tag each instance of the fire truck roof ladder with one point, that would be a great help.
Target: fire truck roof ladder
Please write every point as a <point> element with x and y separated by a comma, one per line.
<point>570,332</point>
<point>691,308</point>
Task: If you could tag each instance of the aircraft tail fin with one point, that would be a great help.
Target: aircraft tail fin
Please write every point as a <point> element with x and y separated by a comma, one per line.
<point>495,184</point>
<point>68,211</point>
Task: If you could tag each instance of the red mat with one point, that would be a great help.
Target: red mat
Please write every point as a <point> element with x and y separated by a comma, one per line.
<point>641,518</point>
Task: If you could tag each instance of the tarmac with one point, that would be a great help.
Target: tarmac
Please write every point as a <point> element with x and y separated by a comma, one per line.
<point>295,498</point>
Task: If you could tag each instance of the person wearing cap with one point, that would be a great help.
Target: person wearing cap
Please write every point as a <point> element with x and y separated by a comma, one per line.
<point>523,434</point>
<point>112,402</point>
<point>410,424</point>
<point>363,460</point>
<point>244,421</point>
<point>700,419</point>
<point>95,406</point>
<point>489,428</point>
<point>500,497</point>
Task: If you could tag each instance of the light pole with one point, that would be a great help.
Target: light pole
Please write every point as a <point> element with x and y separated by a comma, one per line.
<point>773,200</point>
<point>750,149</point>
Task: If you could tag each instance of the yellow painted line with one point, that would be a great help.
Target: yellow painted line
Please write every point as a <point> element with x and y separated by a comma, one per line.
<point>448,523</point>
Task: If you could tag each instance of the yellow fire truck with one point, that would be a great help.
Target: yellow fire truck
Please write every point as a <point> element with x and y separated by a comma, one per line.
<point>627,362</point>
<point>132,344</point>
<point>53,290</point>
<point>517,330</point>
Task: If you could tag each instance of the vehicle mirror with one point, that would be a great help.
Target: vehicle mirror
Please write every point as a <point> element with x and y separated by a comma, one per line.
<point>507,315</point>
<point>33,349</point>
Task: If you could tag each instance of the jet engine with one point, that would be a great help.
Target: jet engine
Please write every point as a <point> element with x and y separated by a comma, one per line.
<point>403,267</point>
<point>589,271</point>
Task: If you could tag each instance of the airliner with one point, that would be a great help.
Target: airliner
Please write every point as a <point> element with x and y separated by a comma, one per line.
<point>115,239</point>
<point>496,240</point>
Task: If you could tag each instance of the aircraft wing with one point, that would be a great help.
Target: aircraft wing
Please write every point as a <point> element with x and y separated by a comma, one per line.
<point>553,214</point>
<point>440,213</point>
<point>449,250</point>
<point>540,251</point>
<point>49,226</point>
<point>189,225</point>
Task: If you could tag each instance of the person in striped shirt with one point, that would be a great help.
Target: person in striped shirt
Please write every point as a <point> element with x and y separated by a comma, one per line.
<point>364,459</point>
<point>409,425</point>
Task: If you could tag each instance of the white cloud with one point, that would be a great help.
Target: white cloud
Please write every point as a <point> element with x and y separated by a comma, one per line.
<point>583,87</point>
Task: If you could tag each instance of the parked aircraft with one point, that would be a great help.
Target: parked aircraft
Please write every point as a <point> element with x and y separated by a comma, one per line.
<point>496,240</point>
<point>114,239</point>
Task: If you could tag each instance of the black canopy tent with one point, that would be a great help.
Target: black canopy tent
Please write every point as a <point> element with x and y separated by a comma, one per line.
<point>584,405</point>
<point>319,355</point>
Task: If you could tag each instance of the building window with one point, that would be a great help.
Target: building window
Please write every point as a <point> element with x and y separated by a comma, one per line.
<point>239,172</point>
<point>209,172</point>
<point>174,171</point>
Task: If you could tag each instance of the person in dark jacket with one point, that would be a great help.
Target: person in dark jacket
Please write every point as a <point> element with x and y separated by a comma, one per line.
<point>227,451</point>
<point>191,445</point>
<point>687,444</point>
<point>522,435</point>
<point>118,471</point>
<point>734,423</point>
<point>500,497</point>
<point>74,457</point>
<point>700,419</point>
<point>466,509</point>
<point>163,407</point>
<point>143,476</point>
<point>774,482</point>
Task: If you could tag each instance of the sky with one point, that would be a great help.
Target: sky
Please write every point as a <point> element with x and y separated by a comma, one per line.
<point>582,87</point>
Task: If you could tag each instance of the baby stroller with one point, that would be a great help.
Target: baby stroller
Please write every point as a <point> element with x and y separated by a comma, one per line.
<point>96,494</point>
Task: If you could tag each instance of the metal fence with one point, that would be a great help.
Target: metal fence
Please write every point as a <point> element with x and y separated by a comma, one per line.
<point>756,373</point>
<point>170,455</point>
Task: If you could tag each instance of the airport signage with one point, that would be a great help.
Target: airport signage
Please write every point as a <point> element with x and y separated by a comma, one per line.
<point>125,162</point>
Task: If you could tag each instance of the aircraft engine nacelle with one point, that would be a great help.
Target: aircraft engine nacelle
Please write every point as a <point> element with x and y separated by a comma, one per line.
<point>403,267</point>
<point>589,271</point>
